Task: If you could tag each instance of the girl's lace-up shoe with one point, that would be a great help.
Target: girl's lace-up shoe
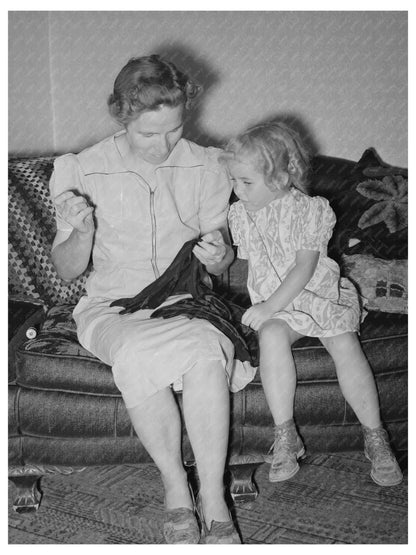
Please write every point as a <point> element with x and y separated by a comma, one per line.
<point>385,470</point>
<point>287,449</point>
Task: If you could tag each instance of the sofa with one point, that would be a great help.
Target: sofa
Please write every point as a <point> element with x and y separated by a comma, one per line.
<point>65,412</point>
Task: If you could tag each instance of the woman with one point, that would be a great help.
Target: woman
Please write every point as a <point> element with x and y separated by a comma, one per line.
<point>133,200</point>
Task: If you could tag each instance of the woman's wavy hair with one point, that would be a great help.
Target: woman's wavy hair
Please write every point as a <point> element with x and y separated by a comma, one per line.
<point>147,83</point>
<point>274,147</point>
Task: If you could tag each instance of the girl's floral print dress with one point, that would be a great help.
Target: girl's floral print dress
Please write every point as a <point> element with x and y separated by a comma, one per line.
<point>269,238</point>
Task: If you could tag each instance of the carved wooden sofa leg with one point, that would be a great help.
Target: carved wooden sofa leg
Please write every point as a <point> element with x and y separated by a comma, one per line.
<point>28,496</point>
<point>242,486</point>
<point>240,474</point>
<point>26,480</point>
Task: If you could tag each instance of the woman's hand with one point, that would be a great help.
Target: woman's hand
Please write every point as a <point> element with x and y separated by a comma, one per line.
<point>75,210</point>
<point>256,315</point>
<point>211,249</point>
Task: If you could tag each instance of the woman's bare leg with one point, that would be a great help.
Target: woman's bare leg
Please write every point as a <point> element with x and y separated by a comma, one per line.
<point>158,425</point>
<point>206,406</point>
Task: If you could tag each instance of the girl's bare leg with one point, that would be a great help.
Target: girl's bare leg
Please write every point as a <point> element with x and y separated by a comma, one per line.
<point>277,368</point>
<point>355,377</point>
<point>278,376</point>
<point>359,389</point>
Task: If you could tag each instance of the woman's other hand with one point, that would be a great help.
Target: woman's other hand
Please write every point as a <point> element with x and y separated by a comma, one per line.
<point>211,249</point>
<point>76,211</point>
<point>71,250</point>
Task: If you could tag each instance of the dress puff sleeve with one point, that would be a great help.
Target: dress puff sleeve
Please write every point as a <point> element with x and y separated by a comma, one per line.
<point>66,176</point>
<point>317,223</point>
<point>215,193</point>
<point>235,223</point>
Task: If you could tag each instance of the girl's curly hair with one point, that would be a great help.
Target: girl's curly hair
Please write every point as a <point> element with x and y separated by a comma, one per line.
<point>146,83</point>
<point>274,147</point>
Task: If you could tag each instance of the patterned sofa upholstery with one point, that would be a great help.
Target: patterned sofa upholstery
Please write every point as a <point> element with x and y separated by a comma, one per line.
<point>65,411</point>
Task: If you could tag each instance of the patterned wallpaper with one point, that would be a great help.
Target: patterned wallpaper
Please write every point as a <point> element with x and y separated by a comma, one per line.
<point>342,76</point>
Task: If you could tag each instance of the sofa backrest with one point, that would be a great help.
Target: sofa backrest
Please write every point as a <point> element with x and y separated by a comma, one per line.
<point>369,198</point>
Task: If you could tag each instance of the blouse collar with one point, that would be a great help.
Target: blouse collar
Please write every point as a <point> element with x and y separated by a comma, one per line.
<point>182,156</point>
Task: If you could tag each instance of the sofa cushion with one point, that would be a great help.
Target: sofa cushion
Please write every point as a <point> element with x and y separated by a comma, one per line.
<point>370,201</point>
<point>31,232</point>
<point>382,283</point>
<point>54,360</point>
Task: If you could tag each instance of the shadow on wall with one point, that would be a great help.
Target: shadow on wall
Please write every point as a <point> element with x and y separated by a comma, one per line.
<point>202,72</point>
<point>298,124</point>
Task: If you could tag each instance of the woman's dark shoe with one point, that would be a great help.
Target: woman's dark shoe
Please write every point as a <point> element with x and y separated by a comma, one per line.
<point>180,526</point>
<point>220,532</point>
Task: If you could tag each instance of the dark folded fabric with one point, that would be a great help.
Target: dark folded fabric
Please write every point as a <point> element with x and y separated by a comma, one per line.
<point>182,276</point>
<point>186,274</point>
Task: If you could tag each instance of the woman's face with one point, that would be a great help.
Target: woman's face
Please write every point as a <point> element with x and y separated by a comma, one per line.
<point>153,135</point>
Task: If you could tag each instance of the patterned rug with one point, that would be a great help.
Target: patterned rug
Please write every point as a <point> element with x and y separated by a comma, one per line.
<point>332,500</point>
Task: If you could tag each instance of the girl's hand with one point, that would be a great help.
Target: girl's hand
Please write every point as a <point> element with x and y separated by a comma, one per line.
<point>211,249</point>
<point>76,211</point>
<point>256,315</point>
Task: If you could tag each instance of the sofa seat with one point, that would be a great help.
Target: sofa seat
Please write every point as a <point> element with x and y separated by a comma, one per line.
<point>66,408</point>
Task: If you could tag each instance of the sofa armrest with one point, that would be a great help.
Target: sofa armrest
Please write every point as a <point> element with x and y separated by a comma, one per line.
<point>22,315</point>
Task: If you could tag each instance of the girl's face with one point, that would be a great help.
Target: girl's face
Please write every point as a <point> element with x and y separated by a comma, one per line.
<point>153,135</point>
<point>250,187</point>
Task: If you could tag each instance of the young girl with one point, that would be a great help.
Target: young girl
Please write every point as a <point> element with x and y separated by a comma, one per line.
<point>296,290</point>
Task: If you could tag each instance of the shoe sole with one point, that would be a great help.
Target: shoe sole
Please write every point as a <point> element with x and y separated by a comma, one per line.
<point>383,483</point>
<point>299,455</point>
<point>378,482</point>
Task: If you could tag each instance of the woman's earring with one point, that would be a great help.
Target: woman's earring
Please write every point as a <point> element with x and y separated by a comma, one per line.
<point>291,167</point>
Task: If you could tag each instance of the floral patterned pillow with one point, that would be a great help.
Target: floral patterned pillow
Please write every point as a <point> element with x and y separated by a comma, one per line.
<point>370,201</point>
